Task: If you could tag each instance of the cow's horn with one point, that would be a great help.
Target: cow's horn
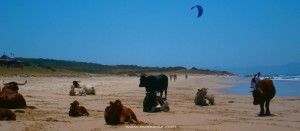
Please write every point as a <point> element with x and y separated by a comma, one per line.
<point>23,83</point>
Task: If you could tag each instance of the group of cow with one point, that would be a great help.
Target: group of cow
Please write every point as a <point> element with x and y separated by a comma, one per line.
<point>117,113</point>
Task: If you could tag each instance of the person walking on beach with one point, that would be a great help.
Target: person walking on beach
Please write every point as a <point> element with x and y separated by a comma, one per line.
<point>257,78</point>
<point>253,83</point>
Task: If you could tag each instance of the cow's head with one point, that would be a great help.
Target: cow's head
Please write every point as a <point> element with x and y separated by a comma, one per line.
<point>76,83</point>
<point>257,96</point>
<point>13,85</point>
<point>150,102</point>
<point>202,93</point>
<point>151,96</point>
<point>143,81</point>
<point>74,105</point>
<point>116,106</point>
<point>74,108</point>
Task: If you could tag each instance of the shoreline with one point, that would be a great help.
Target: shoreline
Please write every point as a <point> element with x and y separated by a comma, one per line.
<point>241,86</point>
<point>231,112</point>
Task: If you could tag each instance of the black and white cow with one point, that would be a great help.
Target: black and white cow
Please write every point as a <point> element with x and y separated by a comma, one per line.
<point>154,103</point>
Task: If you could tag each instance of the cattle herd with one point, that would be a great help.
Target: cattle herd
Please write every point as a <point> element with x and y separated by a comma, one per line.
<point>116,112</point>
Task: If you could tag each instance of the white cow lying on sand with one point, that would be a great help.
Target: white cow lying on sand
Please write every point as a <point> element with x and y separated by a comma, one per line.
<point>82,90</point>
<point>89,90</point>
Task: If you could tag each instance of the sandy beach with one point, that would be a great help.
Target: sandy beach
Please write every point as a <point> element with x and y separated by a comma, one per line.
<point>50,96</point>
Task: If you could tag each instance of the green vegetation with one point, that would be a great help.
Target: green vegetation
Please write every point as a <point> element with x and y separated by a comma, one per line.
<point>51,67</point>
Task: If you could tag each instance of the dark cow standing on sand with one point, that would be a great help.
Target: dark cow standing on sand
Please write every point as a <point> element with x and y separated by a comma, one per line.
<point>262,95</point>
<point>155,83</point>
<point>10,98</point>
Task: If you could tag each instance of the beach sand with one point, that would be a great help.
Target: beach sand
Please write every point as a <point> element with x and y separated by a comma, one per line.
<point>232,112</point>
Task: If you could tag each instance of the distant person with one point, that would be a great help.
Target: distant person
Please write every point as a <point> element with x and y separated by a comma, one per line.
<point>253,83</point>
<point>186,76</point>
<point>257,78</point>
<point>175,77</point>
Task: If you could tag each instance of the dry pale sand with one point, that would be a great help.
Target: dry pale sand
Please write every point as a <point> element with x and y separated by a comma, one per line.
<point>231,112</point>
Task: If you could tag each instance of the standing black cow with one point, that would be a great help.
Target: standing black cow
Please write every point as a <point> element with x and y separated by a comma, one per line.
<point>155,83</point>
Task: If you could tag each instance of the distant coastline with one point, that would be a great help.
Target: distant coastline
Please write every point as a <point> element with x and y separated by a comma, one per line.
<point>285,69</point>
<point>52,67</point>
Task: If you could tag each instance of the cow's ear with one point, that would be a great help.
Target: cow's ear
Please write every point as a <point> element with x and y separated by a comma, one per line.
<point>111,103</point>
<point>118,101</point>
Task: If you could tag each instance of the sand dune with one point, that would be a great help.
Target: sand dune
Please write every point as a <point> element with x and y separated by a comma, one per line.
<point>231,112</point>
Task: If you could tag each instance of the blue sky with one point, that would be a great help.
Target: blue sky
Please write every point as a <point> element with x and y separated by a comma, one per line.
<point>230,33</point>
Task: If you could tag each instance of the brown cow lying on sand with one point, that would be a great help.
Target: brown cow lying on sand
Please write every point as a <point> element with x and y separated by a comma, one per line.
<point>202,97</point>
<point>10,98</point>
<point>264,92</point>
<point>7,115</point>
<point>116,113</point>
<point>76,110</point>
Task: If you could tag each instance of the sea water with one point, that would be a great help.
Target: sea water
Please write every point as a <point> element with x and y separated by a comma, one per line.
<point>286,85</point>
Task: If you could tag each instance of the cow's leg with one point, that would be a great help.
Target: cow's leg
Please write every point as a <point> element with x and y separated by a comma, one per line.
<point>161,92</point>
<point>134,118</point>
<point>262,111</point>
<point>267,108</point>
<point>123,119</point>
<point>166,94</point>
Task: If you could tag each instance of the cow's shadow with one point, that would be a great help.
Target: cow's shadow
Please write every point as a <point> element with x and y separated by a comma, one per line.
<point>271,115</point>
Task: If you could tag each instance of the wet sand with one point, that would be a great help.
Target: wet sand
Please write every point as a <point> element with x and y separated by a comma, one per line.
<point>231,112</point>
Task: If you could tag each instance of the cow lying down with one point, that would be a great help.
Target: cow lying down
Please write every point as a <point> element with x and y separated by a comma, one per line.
<point>7,115</point>
<point>116,113</point>
<point>10,98</point>
<point>204,99</point>
<point>154,103</point>
<point>89,90</point>
<point>76,110</point>
<point>82,90</point>
<point>76,91</point>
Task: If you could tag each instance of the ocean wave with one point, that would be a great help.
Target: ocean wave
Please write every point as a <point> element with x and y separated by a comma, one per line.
<point>284,77</point>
